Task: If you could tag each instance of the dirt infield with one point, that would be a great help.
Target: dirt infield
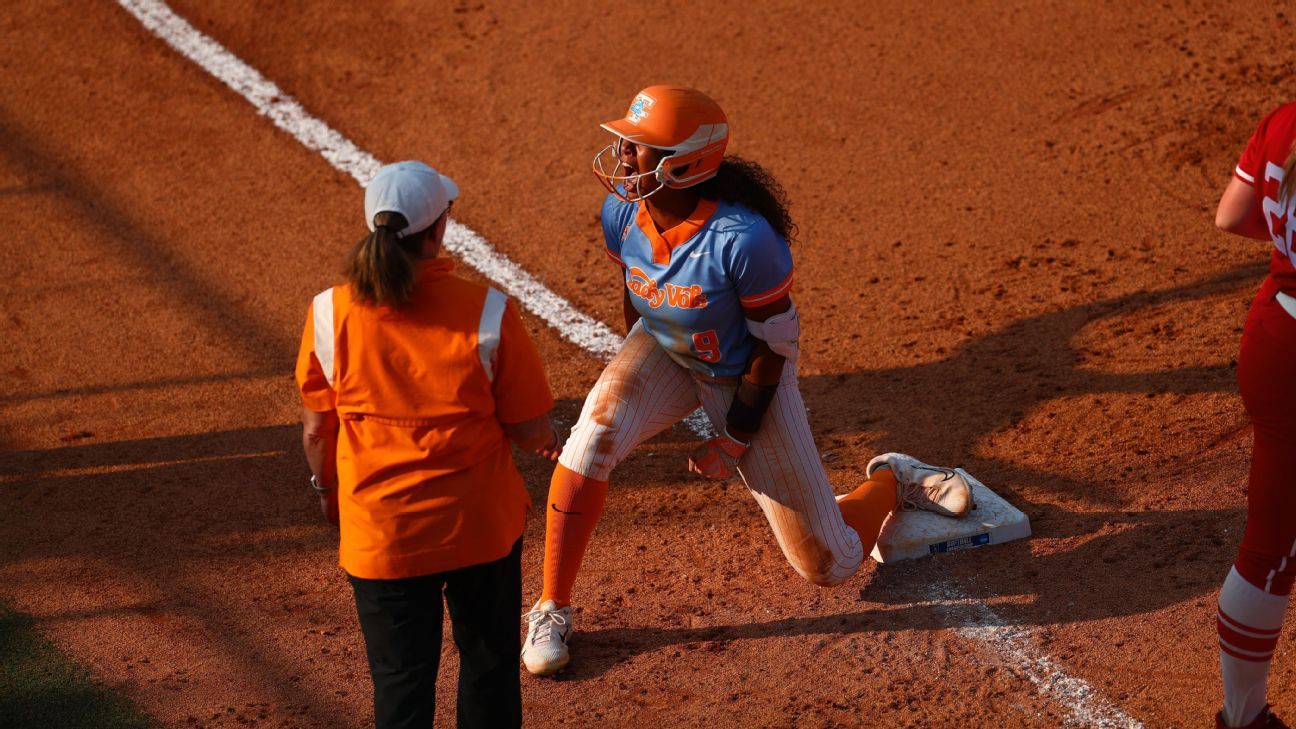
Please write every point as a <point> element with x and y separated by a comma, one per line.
<point>1006,262</point>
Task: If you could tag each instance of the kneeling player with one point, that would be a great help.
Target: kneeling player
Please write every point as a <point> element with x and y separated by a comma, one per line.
<point>703,243</point>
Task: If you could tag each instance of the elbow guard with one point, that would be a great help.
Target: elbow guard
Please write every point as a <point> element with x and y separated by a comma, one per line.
<point>780,332</point>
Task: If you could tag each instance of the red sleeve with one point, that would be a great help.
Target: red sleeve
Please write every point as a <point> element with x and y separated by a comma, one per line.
<point>1250,167</point>
<point>521,390</point>
<point>316,394</point>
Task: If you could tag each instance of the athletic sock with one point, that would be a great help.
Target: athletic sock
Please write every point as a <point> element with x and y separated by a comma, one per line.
<point>575,503</point>
<point>865,508</point>
<point>1249,623</point>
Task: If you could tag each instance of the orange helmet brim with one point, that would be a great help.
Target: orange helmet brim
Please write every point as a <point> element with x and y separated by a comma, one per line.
<point>630,132</point>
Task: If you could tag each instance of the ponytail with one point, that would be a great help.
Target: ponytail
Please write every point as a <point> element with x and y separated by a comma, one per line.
<point>1289,171</point>
<point>380,268</point>
<point>752,186</point>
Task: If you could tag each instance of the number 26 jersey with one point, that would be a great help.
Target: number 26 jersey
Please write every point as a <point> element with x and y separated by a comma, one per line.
<point>690,283</point>
<point>1261,167</point>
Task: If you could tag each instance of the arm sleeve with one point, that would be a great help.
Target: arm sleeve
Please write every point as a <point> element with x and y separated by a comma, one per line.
<point>616,217</point>
<point>1250,168</point>
<point>314,388</point>
<point>520,388</point>
<point>760,266</point>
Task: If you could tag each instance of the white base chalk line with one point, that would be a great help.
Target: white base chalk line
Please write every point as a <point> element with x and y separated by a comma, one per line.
<point>1085,706</point>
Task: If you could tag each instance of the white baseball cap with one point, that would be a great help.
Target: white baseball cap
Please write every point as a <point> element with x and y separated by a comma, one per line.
<point>412,189</point>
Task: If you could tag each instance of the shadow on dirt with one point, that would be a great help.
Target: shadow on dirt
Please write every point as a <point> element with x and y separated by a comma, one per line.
<point>942,410</point>
<point>989,384</point>
<point>1148,560</point>
<point>157,509</point>
<point>984,387</point>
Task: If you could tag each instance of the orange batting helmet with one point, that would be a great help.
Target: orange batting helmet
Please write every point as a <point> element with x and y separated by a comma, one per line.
<point>684,121</point>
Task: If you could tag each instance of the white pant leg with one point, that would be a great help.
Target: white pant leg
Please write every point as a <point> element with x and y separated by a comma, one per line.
<point>641,392</point>
<point>785,475</point>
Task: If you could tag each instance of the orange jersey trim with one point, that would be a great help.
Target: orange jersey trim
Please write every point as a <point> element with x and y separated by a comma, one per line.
<point>773,294</point>
<point>666,241</point>
<point>615,258</point>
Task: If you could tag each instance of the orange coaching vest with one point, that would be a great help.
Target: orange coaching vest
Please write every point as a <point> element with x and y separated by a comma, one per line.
<point>426,480</point>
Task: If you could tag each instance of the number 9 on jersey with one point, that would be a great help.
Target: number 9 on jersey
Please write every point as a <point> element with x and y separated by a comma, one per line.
<point>707,345</point>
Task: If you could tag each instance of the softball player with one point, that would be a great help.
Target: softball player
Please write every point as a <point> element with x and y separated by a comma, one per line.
<point>1259,203</point>
<point>703,243</point>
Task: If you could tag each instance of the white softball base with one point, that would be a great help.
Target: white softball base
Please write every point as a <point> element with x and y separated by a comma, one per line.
<point>910,534</point>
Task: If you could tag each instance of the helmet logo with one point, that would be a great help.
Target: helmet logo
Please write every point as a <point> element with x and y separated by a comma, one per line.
<point>639,108</point>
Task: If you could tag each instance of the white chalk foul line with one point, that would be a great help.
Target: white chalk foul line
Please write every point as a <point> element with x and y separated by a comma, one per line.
<point>284,111</point>
<point>1086,707</point>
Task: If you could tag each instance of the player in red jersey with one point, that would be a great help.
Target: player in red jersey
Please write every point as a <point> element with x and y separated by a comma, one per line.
<point>1259,203</point>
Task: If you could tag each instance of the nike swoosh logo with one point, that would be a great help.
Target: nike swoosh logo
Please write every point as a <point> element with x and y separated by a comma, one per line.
<point>699,254</point>
<point>948,472</point>
<point>560,511</point>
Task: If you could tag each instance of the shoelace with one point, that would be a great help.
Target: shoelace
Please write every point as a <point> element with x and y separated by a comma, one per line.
<point>543,622</point>
<point>908,498</point>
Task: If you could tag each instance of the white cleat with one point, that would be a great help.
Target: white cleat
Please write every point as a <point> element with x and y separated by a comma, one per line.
<point>548,630</point>
<point>920,486</point>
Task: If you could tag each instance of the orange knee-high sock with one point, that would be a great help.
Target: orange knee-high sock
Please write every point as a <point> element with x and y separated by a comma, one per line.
<point>865,508</point>
<point>575,503</point>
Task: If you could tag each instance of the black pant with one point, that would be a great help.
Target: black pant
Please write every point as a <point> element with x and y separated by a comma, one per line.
<point>401,622</point>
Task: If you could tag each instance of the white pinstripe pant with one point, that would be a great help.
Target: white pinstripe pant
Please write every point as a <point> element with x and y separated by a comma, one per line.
<point>643,391</point>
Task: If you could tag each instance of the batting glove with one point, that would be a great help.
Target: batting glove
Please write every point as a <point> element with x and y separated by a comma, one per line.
<point>718,458</point>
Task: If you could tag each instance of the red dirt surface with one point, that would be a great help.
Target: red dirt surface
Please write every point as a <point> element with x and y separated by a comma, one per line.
<point>1006,262</point>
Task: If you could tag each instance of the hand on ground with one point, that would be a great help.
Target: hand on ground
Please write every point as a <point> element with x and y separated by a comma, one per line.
<point>717,458</point>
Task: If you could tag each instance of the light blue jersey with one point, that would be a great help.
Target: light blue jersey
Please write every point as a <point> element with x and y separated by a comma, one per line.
<point>690,284</point>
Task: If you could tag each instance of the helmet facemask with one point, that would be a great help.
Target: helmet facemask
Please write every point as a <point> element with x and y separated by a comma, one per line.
<point>679,169</point>
<point>622,173</point>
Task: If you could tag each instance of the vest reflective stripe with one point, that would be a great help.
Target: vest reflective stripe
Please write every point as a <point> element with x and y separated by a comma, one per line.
<point>323,309</point>
<point>488,331</point>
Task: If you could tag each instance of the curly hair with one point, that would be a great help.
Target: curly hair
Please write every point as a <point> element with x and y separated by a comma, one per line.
<point>747,183</point>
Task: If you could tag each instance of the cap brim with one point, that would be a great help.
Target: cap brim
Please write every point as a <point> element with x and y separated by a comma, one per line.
<point>624,129</point>
<point>451,188</point>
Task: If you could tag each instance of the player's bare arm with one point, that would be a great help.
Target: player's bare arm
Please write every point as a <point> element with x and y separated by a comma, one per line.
<point>1239,211</point>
